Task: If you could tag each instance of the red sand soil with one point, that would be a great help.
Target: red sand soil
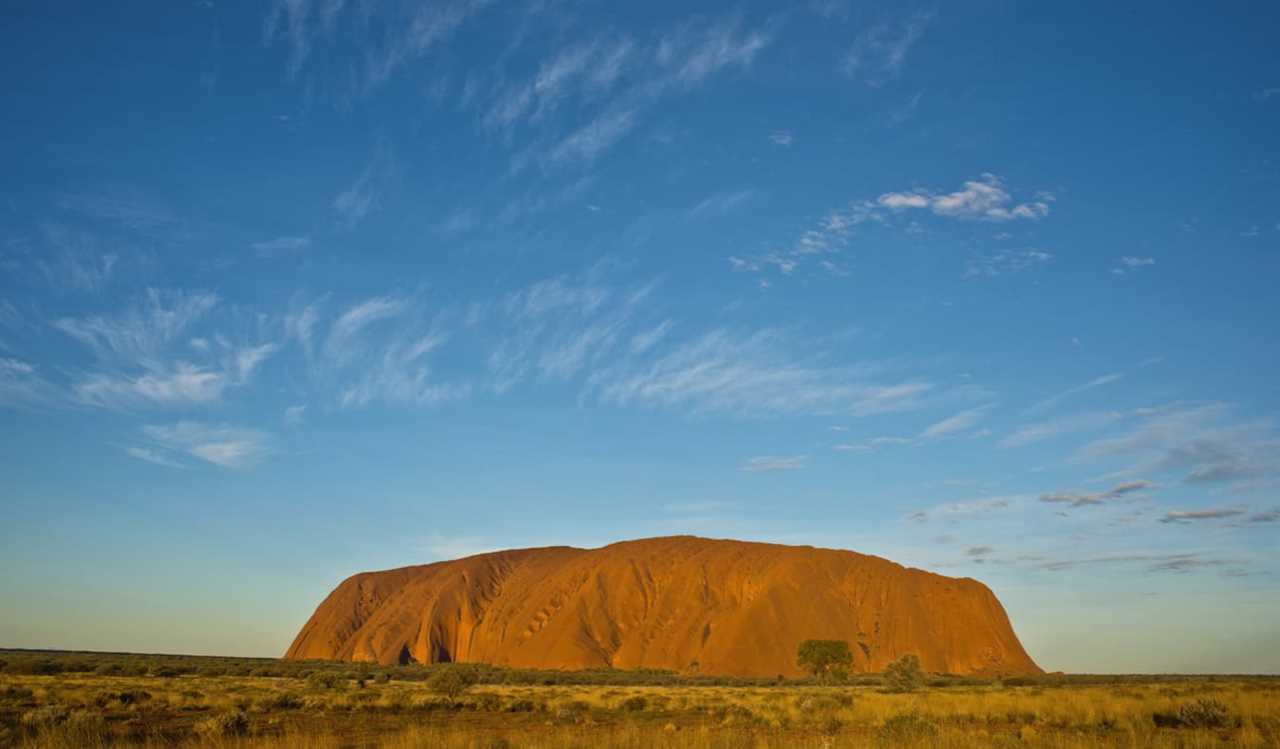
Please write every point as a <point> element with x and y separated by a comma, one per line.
<point>686,604</point>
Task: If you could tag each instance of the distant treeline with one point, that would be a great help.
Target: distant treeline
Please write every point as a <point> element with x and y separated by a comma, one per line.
<point>52,662</point>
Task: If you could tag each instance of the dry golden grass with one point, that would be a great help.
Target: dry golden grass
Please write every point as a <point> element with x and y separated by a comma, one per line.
<point>86,710</point>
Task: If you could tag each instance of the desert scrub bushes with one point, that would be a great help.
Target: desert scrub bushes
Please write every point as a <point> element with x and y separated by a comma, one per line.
<point>225,725</point>
<point>325,680</point>
<point>451,682</point>
<point>44,717</point>
<point>636,704</point>
<point>825,660</point>
<point>16,694</point>
<point>904,674</point>
<point>281,701</point>
<point>1205,712</point>
<point>906,729</point>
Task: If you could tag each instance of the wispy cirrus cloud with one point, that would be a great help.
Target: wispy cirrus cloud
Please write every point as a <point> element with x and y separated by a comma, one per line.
<point>1096,382</point>
<point>616,343</point>
<point>984,199</point>
<point>638,77</point>
<point>965,507</point>
<point>366,359</point>
<point>828,236</point>
<point>773,463</point>
<point>873,444</point>
<point>1202,442</point>
<point>344,339</point>
<point>22,385</point>
<point>751,374</point>
<point>1211,513</point>
<point>397,34</point>
<point>576,71</point>
<point>183,384</point>
<point>721,204</point>
<point>126,208</point>
<point>878,53</point>
<point>1130,263</point>
<point>294,415</point>
<point>562,326</point>
<point>76,260</point>
<point>402,374</point>
<point>142,332</point>
<point>1176,563</point>
<point>281,246</point>
<point>647,339</point>
<point>219,444</point>
<point>960,422</point>
<point>1005,263</point>
<point>1044,430</point>
<point>147,360</point>
<point>151,455</point>
<point>1269,516</point>
<point>1077,499</point>
<point>364,196</point>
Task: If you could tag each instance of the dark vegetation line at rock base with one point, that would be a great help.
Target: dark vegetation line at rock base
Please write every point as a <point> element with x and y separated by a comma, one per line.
<point>53,662</point>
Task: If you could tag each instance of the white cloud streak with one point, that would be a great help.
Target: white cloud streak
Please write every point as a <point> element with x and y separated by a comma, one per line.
<point>1043,430</point>
<point>773,463</point>
<point>1097,498</point>
<point>963,421</point>
<point>1096,382</point>
<point>984,198</point>
<point>878,53</point>
<point>220,444</point>
<point>1005,263</point>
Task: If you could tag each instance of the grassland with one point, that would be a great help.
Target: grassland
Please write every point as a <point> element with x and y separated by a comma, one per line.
<point>86,700</point>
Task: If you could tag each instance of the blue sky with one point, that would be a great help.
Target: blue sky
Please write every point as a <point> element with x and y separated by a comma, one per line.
<point>293,291</point>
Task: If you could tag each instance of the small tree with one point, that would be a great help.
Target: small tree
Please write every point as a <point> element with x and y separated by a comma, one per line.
<point>904,674</point>
<point>450,682</point>
<point>826,660</point>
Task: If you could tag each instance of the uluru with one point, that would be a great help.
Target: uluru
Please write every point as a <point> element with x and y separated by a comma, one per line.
<point>686,604</point>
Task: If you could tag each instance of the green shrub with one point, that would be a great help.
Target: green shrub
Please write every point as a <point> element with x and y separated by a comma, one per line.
<point>1204,713</point>
<point>44,717</point>
<point>906,728</point>
<point>224,725</point>
<point>904,674</point>
<point>451,682</point>
<point>133,697</point>
<point>831,726</point>
<point>77,666</point>
<point>488,702</point>
<point>325,679</point>
<point>825,660</point>
<point>573,710</point>
<point>34,667</point>
<point>282,701</point>
<point>16,694</point>
<point>635,704</point>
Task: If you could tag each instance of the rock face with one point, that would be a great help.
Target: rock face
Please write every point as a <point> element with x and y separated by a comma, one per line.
<point>685,604</point>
